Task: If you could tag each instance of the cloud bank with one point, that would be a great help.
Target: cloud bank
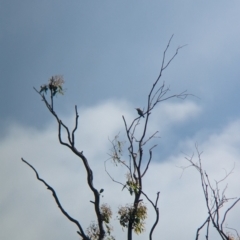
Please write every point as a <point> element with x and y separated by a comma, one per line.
<point>28,210</point>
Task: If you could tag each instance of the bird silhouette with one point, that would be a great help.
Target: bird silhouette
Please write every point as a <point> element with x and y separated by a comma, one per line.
<point>140,112</point>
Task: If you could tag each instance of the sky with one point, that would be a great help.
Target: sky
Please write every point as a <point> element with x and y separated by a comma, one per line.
<point>109,54</point>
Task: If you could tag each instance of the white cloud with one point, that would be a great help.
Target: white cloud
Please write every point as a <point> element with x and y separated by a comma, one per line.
<point>29,209</point>
<point>175,113</point>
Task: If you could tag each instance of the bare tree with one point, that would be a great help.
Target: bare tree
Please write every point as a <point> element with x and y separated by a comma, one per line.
<point>131,216</point>
<point>215,199</point>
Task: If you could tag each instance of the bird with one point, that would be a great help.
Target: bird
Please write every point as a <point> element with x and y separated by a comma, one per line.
<point>140,112</point>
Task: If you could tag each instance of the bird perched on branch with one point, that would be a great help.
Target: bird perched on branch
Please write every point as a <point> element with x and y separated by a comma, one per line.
<point>140,112</point>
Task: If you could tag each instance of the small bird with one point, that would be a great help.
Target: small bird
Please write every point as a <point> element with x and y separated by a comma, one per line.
<point>140,112</point>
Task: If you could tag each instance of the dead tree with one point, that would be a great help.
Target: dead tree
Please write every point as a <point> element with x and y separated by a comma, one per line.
<point>215,199</point>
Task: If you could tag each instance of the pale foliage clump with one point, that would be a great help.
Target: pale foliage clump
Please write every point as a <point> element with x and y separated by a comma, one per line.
<point>231,236</point>
<point>116,152</point>
<point>93,230</point>
<point>132,185</point>
<point>55,85</point>
<point>106,212</point>
<point>139,215</point>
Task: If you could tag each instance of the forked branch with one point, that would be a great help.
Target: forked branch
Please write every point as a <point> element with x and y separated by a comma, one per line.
<point>56,87</point>
<point>217,200</point>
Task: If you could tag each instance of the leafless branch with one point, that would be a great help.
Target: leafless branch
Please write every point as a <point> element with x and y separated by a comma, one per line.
<point>149,160</point>
<point>199,229</point>
<point>80,232</point>
<point>111,175</point>
<point>152,136</point>
<point>76,126</point>
<point>156,211</point>
<point>225,214</point>
<point>71,145</point>
<point>217,200</point>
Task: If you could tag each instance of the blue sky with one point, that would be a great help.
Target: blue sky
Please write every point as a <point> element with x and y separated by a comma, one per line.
<point>109,53</point>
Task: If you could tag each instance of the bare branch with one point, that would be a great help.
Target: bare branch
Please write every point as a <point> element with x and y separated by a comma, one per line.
<point>76,126</point>
<point>218,200</point>
<point>225,214</point>
<point>156,211</point>
<point>71,146</point>
<point>199,229</point>
<point>110,174</point>
<point>149,160</point>
<point>80,232</point>
<point>152,136</point>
